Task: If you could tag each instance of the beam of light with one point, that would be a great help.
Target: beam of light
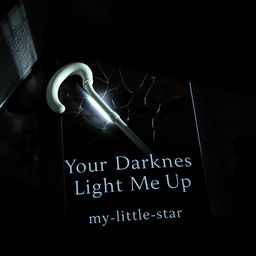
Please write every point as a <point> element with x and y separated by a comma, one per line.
<point>99,108</point>
<point>18,38</point>
<point>18,53</point>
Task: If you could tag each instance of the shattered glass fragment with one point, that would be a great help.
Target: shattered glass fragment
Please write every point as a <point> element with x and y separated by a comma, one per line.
<point>152,105</point>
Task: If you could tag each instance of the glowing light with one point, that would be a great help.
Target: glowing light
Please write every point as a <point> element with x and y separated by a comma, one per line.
<point>99,108</point>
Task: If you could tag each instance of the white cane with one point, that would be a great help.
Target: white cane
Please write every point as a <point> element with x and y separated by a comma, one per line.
<point>85,72</point>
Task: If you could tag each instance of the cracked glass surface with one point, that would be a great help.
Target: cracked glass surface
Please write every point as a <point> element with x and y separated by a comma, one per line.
<point>157,108</point>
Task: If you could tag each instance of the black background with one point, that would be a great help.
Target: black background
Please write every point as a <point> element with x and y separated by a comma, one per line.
<point>181,40</point>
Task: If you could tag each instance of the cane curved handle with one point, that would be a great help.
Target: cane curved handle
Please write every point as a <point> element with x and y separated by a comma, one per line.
<point>76,68</point>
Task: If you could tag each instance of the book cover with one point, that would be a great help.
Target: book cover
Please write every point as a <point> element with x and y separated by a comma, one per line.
<point>148,180</point>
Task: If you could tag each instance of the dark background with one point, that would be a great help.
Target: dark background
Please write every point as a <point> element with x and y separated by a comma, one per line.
<point>186,41</point>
